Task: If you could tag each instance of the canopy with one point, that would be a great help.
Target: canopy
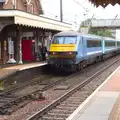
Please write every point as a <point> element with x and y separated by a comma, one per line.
<point>104,3</point>
<point>26,19</point>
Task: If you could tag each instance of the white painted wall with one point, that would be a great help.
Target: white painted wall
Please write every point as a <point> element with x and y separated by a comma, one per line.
<point>27,34</point>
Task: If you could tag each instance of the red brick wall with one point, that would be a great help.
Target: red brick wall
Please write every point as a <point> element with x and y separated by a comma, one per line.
<point>21,6</point>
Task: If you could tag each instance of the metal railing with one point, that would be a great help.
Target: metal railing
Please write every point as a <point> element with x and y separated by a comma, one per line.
<point>113,23</point>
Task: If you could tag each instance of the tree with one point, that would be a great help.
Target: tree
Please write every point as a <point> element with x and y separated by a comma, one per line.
<point>101,32</point>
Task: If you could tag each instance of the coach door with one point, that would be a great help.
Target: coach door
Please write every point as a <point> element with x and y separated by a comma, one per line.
<point>28,50</point>
<point>103,46</point>
<point>83,43</point>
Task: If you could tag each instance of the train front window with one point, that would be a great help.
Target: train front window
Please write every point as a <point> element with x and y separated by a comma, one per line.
<point>65,40</point>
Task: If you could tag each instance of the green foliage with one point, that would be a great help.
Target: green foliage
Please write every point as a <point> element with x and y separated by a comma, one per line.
<point>101,32</point>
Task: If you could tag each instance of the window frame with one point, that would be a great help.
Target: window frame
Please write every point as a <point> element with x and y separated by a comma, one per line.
<point>25,5</point>
<point>109,44</point>
<point>14,4</point>
<point>118,43</point>
<point>92,43</point>
<point>63,39</point>
<point>28,8</point>
<point>31,8</point>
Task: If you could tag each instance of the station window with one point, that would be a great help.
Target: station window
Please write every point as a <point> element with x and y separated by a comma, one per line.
<point>25,5</point>
<point>31,8</point>
<point>14,4</point>
<point>109,43</point>
<point>93,43</point>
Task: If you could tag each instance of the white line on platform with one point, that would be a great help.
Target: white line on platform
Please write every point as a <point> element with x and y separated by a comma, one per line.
<point>32,66</point>
<point>25,67</point>
<point>72,116</point>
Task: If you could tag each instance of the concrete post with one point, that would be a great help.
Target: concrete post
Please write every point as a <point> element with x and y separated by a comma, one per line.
<point>36,45</point>
<point>19,45</point>
<point>20,51</point>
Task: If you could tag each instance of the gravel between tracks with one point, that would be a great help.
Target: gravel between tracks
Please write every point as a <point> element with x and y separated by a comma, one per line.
<point>52,94</point>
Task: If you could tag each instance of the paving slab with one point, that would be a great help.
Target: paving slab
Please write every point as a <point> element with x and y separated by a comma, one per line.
<point>8,71</point>
<point>93,117</point>
<point>103,103</point>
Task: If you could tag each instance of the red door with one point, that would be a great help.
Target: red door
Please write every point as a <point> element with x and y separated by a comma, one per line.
<point>28,50</point>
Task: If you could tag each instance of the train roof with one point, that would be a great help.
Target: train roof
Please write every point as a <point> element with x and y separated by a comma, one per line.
<point>92,36</point>
<point>66,33</point>
<point>108,38</point>
<point>117,40</point>
<point>73,33</point>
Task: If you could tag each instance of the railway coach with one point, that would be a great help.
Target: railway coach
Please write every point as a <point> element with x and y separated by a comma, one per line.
<point>71,49</point>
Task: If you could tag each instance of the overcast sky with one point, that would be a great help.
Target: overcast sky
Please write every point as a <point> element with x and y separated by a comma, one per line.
<point>78,10</point>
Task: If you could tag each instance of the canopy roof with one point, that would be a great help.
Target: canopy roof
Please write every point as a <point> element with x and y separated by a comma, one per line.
<point>27,19</point>
<point>104,3</point>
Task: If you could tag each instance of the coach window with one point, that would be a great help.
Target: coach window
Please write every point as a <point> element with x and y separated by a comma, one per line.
<point>58,40</point>
<point>109,43</point>
<point>70,40</point>
<point>93,43</point>
<point>118,43</point>
<point>65,40</point>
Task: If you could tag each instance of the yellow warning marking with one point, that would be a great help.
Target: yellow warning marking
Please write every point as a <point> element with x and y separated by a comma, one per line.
<point>62,47</point>
<point>1,84</point>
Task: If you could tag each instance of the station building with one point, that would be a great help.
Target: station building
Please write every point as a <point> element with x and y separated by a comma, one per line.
<point>23,30</point>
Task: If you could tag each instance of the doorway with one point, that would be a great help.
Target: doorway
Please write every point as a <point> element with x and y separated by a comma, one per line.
<point>28,50</point>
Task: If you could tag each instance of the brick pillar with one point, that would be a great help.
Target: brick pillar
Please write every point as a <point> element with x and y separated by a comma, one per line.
<point>5,51</point>
<point>4,46</point>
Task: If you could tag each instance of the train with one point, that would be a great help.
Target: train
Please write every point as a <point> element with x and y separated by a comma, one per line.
<point>75,50</point>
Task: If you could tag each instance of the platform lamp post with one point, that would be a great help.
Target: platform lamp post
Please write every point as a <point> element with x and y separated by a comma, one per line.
<point>61,11</point>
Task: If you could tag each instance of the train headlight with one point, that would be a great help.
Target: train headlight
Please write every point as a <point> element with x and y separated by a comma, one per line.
<point>54,53</point>
<point>69,53</point>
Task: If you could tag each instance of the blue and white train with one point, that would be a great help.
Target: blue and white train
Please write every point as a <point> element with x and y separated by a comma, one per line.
<point>76,50</point>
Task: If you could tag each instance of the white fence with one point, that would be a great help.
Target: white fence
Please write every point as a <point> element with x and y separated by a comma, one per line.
<point>106,23</point>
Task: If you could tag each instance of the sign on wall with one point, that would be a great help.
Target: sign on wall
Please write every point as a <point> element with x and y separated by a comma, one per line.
<point>10,46</point>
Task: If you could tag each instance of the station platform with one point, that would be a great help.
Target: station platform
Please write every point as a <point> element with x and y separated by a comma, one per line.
<point>103,103</point>
<point>7,71</point>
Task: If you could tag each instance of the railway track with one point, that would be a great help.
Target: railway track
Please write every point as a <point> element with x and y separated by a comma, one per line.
<point>10,100</point>
<point>61,108</point>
